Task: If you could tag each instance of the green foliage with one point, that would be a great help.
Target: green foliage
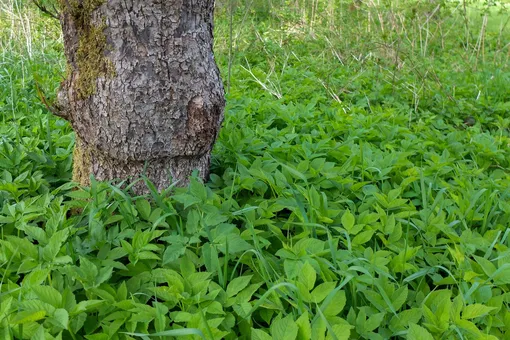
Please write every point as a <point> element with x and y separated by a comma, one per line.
<point>347,199</point>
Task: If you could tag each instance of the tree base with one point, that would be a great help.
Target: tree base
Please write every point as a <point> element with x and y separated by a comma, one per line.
<point>162,172</point>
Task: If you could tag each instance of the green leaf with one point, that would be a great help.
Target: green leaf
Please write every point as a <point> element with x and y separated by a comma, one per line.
<point>342,331</point>
<point>373,322</point>
<point>98,336</point>
<point>39,334</point>
<point>144,208</point>
<point>235,244</point>
<point>78,194</point>
<point>308,276</point>
<point>122,291</point>
<point>405,318</point>
<point>36,277</point>
<point>104,274</point>
<point>476,310</point>
<point>334,304</point>
<point>243,309</point>
<point>284,329</point>
<point>418,333</point>
<point>28,316</point>
<point>258,334</point>
<point>186,199</point>
<point>198,189</point>
<point>238,284</point>
<point>304,327</point>
<point>319,329</point>
<point>502,275</point>
<point>49,295</point>
<point>363,237</point>
<point>172,332</point>
<point>160,321</point>
<point>398,298</point>
<point>60,318</point>
<point>348,221</point>
<point>321,291</point>
<point>486,265</point>
<point>87,270</point>
<point>173,252</point>
<point>5,306</point>
<point>86,306</point>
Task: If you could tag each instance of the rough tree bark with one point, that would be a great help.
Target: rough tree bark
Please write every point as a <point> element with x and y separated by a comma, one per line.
<point>142,91</point>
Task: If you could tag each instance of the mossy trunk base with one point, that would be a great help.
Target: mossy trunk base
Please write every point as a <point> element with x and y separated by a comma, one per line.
<point>162,172</point>
<point>142,92</point>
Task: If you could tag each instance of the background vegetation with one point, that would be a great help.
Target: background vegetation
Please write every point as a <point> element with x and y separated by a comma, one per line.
<point>360,186</point>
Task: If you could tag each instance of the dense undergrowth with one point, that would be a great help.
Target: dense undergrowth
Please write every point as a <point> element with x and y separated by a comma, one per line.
<point>360,187</point>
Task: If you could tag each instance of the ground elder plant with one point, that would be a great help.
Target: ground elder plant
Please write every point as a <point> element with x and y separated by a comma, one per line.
<point>359,189</point>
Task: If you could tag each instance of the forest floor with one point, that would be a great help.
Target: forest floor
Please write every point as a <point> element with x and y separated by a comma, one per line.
<point>360,187</point>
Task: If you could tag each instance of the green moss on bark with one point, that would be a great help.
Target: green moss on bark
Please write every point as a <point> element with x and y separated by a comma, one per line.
<point>81,163</point>
<point>91,62</point>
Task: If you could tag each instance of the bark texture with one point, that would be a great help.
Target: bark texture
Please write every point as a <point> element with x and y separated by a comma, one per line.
<point>142,89</point>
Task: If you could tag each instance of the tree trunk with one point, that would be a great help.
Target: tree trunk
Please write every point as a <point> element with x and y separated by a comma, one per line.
<point>142,91</point>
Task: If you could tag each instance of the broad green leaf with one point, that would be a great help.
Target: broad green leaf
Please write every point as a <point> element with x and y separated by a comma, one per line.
<point>334,303</point>
<point>173,252</point>
<point>24,317</point>
<point>235,244</point>
<point>469,326</point>
<point>398,298</point>
<point>173,332</point>
<point>160,321</point>
<point>284,329</point>
<point>246,294</point>
<point>363,237</point>
<point>258,334</point>
<point>85,306</point>
<point>104,274</point>
<point>348,221</point>
<point>144,208</point>
<point>373,322</point>
<point>404,318</point>
<point>304,327</point>
<point>60,318</point>
<point>457,304</point>
<point>418,333</point>
<point>98,336</point>
<point>36,277</point>
<point>215,308</point>
<point>49,295</point>
<point>198,189</point>
<point>5,306</point>
<point>39,334</point>
<point>238,284</point>
<point>122,291</point>
<point>186,199</point>
<point>308,276</point>
<point>319,329</point>
<point>488,267</point>
<point>476,310</point>
<point>87,270</point>
<point>321,291</point>
<point>78,194</point>
<point>502,275</point>
<point>342,332</point>
<point>243,309</point>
